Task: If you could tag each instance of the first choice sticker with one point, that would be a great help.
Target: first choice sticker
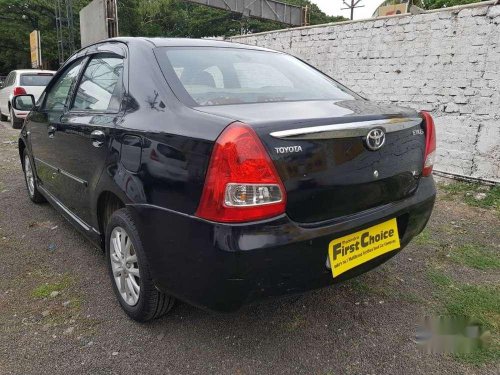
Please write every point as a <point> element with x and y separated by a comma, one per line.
<point>354,249</point>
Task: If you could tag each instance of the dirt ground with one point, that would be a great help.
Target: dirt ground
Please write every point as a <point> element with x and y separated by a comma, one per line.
<point>58,314</point>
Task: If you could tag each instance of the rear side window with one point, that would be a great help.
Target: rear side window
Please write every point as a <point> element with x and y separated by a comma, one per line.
<point>35,79</point>
<point>10,79</point>
<point>101,86</point>
<point>58,93</point>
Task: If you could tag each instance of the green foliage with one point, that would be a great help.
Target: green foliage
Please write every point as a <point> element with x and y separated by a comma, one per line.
<point>44,290</point>
<point>476,256</point>
<point>164,18</point>
<point>474,194</point>
<point>20,17</point>
<point>176,18</point>
<point>436,4</point>
<point>481,303</point>
<point>424,239</point>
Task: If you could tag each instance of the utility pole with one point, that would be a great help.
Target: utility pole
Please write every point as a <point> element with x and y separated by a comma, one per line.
<point>64,29</point>
<point>354,4</point>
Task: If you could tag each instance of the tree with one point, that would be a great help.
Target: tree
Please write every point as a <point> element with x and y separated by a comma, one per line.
<point>181,18</point>
<point>432,4</point>
<point>436,4</point>
<point>167,18</point>
<point>19,18</point>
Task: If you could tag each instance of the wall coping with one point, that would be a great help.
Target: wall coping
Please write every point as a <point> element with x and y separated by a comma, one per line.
<point>454,9</point>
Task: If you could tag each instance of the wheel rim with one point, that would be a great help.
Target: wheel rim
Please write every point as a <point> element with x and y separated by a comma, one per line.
<point>124,266</point>
<point>30,179</point>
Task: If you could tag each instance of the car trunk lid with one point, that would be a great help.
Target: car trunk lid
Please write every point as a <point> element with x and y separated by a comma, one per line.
<point>324,159</point>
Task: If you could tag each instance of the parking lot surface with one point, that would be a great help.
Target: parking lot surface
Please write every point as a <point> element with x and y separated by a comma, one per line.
<point>58,314</point>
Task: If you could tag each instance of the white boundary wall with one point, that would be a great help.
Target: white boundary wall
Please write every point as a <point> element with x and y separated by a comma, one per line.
<point>446,62</point>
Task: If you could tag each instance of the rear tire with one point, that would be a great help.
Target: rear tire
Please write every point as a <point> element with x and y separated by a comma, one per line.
<point>30,179</point>
<point>14,121</point>
<point>3,117</point>
<point>129,270</point>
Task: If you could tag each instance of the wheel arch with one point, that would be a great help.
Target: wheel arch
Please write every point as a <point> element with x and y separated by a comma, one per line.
<point>107,203</point>
<point>21,147</point>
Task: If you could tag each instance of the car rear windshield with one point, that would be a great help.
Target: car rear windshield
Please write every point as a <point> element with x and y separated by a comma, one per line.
<point>35,79</point>
<point>218,76</point>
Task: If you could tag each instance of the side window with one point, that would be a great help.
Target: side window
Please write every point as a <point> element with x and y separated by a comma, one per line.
<point>57,96</point>
<point>100,88</point>
<point>10,79</point>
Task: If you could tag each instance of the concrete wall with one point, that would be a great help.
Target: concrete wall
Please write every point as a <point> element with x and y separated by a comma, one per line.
<point>93,23</point>
<point>446,62</point>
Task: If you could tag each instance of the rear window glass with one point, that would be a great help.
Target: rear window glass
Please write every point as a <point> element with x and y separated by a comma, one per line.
<point>217,76</point>
<point>35,79</point>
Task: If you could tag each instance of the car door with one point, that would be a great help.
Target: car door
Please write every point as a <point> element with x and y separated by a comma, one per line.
<point>46,145</point>
<point>86,128</point>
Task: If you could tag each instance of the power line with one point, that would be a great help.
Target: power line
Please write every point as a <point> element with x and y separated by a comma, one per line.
<point>352,6</point>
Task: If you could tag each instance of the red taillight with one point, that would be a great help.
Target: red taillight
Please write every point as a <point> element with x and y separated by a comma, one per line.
<point>242,183</point>
<point>19,91</point>
<point>153,155</point>
<point>430,143</point>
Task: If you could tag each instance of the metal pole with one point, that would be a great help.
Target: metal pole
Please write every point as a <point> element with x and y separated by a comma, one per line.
<point>59,32</point>
<point>354,4</point>
<point>69,22</point>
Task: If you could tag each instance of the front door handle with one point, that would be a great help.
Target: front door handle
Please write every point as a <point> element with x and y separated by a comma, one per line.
<point>98,137</point>
<point>51,131</point>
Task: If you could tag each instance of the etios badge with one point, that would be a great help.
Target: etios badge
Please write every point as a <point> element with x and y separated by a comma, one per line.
<point>375,139</point>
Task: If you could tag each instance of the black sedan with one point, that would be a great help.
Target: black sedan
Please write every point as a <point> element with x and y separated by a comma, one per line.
<point>218,173</point>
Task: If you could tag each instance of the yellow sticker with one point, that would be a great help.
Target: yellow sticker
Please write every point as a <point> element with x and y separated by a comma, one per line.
<point>354,249</point>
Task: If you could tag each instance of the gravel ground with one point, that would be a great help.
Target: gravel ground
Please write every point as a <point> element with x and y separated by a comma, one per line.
<point>58,314</point>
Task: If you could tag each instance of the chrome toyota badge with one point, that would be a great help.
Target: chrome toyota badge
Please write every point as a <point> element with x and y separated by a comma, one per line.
<point>375,139</point>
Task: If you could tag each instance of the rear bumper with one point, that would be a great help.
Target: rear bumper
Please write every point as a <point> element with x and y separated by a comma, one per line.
<point>20,114</point>
<point>221,267</point>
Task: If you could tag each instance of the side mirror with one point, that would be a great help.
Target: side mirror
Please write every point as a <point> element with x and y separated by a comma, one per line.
<point>23,102</point>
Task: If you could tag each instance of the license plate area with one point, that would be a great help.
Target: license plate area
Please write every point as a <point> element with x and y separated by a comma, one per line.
<point>354,249</point>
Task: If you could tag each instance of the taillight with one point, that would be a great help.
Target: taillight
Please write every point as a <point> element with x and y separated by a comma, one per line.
<point>19,91</point>
<point>153,155</point>
<point>430,143</point>
<point>242,183</point>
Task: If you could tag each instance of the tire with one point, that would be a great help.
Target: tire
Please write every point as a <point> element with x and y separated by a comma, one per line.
<point>144,304</point>
<point>14,121</point>
<point>30,179</point>
<point>3,117</point>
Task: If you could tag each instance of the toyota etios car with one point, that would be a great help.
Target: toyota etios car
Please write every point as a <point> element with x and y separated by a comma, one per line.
<point>220,173</point>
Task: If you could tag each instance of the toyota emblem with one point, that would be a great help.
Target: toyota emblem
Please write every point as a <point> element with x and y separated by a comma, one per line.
<point>375,139</point>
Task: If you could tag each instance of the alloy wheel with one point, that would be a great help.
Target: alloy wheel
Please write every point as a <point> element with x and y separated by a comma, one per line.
<point>30,178</point>
<point>125,266</point>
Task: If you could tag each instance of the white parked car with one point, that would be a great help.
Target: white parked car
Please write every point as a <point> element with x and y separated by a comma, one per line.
<point>19,82</point>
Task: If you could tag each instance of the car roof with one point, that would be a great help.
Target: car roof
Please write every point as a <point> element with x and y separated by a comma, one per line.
<point>184,42</point>
<point>21,71</point>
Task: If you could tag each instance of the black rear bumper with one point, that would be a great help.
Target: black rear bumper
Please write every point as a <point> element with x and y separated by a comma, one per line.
<point>221,267</point>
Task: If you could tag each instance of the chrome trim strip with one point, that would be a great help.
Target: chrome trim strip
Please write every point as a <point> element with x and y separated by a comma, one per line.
<point>348,129</point>
<point>63,172</point>
<point>73,177</point>
<point>66,210</point>
<point>47,164</point>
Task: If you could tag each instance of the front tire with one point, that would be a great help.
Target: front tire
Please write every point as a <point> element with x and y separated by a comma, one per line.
<point>30,179</point>
<point>129,271</point>
<point>14,121</point>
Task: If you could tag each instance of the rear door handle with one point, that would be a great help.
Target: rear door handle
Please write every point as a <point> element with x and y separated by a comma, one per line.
<point>51,131</point>
<point>97,137</point>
